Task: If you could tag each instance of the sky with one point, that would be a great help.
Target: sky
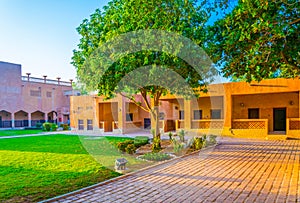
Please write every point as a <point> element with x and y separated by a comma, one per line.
<point>41,34</point>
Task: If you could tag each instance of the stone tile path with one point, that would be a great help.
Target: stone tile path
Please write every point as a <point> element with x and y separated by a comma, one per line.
<point>235,171</point>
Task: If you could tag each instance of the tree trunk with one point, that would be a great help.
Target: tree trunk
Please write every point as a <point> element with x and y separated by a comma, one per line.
<point>156,134</point>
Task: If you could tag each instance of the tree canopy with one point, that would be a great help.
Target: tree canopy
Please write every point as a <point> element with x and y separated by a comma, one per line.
<point>259,39</point>
<point>127,35</point>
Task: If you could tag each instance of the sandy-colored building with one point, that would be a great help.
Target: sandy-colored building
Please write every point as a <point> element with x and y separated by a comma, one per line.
<point>26,100</point>
<point>262,110</point>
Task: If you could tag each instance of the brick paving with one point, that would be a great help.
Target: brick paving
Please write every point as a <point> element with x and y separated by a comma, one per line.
<point>237,170</point>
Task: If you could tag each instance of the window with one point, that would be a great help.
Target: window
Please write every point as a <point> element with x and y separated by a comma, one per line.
<point>215,114</point>
<point>161,116</point>
<point>35,93</point>
<point>49,94</point>
<point>181,115</point>
<point>89,124</point>
<point>80,125</point>
<point>253,113</point>
<point>197,114</point>
<point>129,117</point>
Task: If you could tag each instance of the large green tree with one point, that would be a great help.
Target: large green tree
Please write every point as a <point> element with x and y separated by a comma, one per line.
<point>259,39</point>
<point>163,69</point>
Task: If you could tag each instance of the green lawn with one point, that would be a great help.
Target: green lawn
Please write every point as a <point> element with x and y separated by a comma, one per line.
<point>40,167</point>
<point>18,132</point>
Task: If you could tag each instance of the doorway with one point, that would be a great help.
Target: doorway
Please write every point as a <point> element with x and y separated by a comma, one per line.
<point>147,123</point>
<point>279,119</point>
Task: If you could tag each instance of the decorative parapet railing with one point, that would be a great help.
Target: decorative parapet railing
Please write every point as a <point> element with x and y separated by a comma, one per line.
<point>293,123</point>
<point>208,124</point>
<point>179,124</point>
<point>247,124</point>
<point>47,81</point>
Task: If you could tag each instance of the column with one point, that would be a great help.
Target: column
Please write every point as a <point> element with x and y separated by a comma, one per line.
<point>96,114</point>
<point>29,119</point>
<point>228,112</point>
<point>299,104</point>
<point>12,120</point>
<point>121,114</point>
<point>45,117</point>
<point>187,114</point>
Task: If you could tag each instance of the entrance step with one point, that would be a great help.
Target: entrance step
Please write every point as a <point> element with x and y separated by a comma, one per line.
<point>277,137</point>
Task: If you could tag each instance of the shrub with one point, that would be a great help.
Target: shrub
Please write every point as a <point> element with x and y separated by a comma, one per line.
<point>212,139</point>
<point>156,147</point>
<point>181,135</point>
<point>46,126</point>
<point>130,149</point>
<point>177,146</point>
<point>156,156</point>
<point>129,142</point>
<point>65,126</point>
<point>141,140</point>
<point>54,127</point>
<point>170,135</point>
<point>197,143</point>
<point>204,141</point>
<point>123,145</point>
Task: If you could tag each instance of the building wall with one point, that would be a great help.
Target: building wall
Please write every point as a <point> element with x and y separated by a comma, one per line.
<point>206,104</point>
<point>10,86</point>
<point>82,108</point>
<point>266,103</point>
<point>51,97</point>
<point>22,96</point>
<point>228,97</point>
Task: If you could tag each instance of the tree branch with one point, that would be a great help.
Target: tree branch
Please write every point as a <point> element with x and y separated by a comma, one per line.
<point>295,21</point>
<point>134,101</point>
<point>144,96</point>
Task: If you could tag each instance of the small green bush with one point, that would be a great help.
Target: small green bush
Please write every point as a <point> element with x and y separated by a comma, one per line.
<point>46,126</point>
<point>129,142</point>
<point>181,135</point>
<point>155,156</point>
<point>65,126</point>
<point>177,145</point>
<point>204,141</point>
<point>197,143</point>
<point>130,149</point>
<point>170,135</point>
<point>54,127</point>
<point>156,147</point>
<point>123,145</point>
<point>212,139</point>
<point>141,140</point>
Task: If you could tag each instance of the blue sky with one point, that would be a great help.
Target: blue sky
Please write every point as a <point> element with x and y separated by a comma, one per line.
<point>41,34</point>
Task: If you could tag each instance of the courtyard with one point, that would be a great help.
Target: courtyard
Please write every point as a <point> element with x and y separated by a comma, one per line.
<point>236,170</point>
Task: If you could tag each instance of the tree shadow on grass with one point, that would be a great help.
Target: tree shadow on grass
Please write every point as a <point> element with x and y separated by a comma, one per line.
<point>35,185</point>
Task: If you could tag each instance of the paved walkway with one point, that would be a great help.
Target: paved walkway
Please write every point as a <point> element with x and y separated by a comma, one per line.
<point>235,171</point>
